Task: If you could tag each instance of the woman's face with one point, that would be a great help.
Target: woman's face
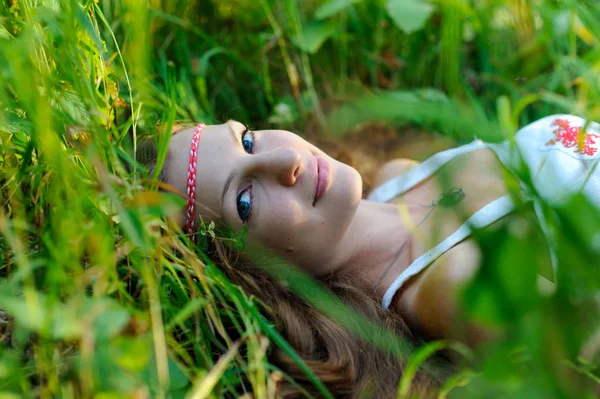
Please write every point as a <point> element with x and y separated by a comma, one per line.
<point>292,196</point>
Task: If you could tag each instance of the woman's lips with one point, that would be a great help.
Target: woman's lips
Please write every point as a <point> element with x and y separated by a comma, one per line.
<point>321,179</point>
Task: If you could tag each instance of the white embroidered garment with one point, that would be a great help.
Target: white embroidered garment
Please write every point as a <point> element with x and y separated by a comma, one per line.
<point>562,154</point>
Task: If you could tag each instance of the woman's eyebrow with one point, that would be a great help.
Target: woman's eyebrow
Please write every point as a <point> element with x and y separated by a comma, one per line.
<point>232,130</point>
<point>226,186</point>
<point>233,173</point>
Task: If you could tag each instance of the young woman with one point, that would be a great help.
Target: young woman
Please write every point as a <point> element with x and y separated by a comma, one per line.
<point>408,242</point>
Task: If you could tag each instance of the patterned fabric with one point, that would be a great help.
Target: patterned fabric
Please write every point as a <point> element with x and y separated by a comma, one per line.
<point>574,136</point>
<point>561,154</point>
<point>191,181</point>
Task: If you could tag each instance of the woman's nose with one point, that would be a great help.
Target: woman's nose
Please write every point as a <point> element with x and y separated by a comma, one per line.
<point>283,164</point>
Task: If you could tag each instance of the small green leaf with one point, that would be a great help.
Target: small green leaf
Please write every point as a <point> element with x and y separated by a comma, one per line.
<point>109,317</point>
<point>239,239</point>
<point>177,378</point>
<point>505,286</point>
<point>110,323</point>
<point>132,354</point>
<point>314,35</point>
<point>409,15</point>
<point>333,7</point>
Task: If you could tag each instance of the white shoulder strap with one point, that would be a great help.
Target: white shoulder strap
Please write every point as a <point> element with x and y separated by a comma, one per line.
<point>480,219</point>
<point>401,184</point>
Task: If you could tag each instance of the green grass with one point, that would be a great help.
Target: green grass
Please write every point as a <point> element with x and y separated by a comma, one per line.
<point>94,302</point>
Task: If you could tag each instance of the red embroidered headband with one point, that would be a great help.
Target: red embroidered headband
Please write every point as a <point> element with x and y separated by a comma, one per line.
<point>191,181</point>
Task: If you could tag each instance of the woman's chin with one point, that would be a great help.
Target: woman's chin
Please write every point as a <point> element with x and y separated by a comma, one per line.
<point>355,186</point>
<point>346,196</point>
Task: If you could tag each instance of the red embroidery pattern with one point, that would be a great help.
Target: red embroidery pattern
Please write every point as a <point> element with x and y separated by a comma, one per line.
<point>571,136</point>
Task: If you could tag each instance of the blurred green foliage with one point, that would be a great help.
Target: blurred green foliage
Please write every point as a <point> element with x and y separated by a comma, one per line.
<point>93,300</point>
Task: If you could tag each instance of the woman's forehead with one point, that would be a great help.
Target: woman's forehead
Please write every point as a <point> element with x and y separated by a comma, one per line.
<point>214,163</point>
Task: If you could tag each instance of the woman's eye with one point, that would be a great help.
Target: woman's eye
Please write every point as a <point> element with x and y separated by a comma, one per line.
<point>244,204</point>
<point>248,141</point>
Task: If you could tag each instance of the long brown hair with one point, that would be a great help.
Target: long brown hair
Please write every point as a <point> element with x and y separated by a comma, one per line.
<point>348,366</point>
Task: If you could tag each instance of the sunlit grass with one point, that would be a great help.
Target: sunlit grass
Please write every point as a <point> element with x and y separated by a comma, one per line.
<point>99,295</point>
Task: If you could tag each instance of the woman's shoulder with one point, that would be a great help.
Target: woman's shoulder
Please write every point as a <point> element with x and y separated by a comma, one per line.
<point>430,301</point>
<point>400,176</point>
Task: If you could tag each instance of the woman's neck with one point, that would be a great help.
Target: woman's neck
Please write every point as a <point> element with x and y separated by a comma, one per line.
<point>378,240</point>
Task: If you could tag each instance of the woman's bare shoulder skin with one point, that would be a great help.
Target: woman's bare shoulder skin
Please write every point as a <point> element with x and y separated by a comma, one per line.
<point>393,168</point>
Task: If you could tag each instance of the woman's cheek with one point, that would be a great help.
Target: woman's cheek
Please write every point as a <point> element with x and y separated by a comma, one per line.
<point>284,227</point>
